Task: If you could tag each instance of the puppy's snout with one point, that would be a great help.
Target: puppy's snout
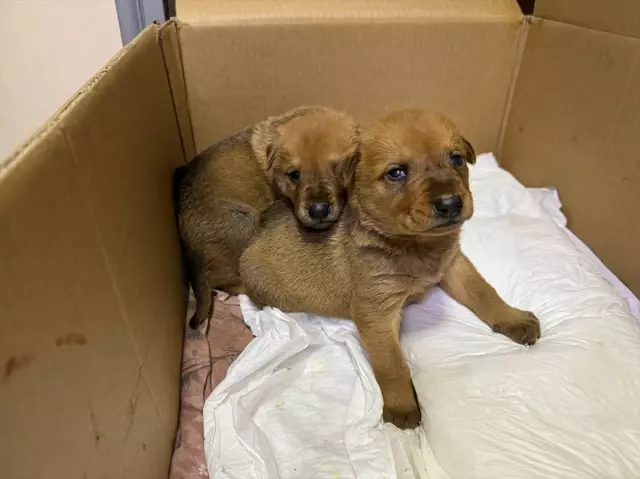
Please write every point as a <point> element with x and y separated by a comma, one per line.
<point>447,206</point>
<point>319,211</point>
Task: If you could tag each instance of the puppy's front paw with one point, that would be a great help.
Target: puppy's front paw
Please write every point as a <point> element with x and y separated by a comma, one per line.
<point>521,327</point>
<point>402,410</point>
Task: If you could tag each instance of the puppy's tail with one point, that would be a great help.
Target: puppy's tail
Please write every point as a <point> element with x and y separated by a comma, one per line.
<point>177,183</point>
<point>178,179</point>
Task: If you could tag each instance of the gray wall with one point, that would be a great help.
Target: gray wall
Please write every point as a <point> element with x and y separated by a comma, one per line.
<point>135,15</point>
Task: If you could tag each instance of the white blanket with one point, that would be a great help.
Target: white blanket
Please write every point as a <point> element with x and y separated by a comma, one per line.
<point>301,400</point>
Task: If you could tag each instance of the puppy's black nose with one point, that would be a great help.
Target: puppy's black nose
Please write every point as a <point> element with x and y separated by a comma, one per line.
<point>319,211</point>
<point>448,206</point>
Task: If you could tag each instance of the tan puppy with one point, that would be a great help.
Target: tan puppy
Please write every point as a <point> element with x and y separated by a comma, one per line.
<point>302,156</point>
<point>398,237</point>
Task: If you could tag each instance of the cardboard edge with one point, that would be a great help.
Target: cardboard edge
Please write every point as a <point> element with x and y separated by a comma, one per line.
<point>169,39</point>
<point>228,12</point>
<point>249,21</point>
<point>522,42</point>
<point>55,119</point>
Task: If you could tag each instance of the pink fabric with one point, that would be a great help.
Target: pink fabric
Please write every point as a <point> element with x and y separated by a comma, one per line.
<point>205,361</point>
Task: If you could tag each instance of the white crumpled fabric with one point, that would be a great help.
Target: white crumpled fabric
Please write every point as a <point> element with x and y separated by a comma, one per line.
<point>301,401</point>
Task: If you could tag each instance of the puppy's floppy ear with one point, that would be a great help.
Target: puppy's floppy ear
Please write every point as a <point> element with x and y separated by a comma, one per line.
<point>347,168</point>
<point>264,141</point>
<point>270,153</point>
<point>470,153</point>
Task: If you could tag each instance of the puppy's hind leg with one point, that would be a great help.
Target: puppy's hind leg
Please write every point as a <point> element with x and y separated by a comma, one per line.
<point>202,289</point>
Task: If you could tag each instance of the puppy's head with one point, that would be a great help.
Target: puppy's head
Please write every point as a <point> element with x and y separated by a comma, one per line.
<point>310,159</point>
<point>412,179</point>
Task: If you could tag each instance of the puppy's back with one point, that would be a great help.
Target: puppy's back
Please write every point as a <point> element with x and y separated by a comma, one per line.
<point>294,269</point>
<point>224,176</point>
<point>227,170</point>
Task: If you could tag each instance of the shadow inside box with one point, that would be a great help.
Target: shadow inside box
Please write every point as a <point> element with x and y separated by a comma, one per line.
<point>429,313</point>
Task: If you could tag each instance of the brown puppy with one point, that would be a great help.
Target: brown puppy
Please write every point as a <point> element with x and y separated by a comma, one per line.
<point>302,156</point>
<point>398,237</point>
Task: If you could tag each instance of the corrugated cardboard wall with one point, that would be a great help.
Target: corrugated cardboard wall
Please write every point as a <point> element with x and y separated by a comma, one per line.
<point>614,16</point>
<point>457,57</point>
<point>91,283</point>
<point>575,124</point>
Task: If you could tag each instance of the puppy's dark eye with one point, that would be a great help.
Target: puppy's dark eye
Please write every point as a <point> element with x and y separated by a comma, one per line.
<point>456,160</point>
<point>294,175</point>
<point>397,173</point>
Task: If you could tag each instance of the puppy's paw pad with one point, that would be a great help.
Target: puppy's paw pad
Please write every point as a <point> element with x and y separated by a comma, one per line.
<point>404,414</point>
<point>523,328</point>
<point>402,419</point>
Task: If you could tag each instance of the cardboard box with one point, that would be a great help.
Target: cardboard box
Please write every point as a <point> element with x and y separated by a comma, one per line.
<point>91,288</point>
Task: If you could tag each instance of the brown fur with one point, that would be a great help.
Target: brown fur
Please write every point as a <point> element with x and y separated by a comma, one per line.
<point>386,251</point>
<point>221,193</point>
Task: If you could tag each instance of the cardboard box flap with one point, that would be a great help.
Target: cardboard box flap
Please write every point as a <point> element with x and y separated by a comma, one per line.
<point>91,287</point>
<point>615,16</point>
<point>310,11</point>
<point>239,73</point>
<point>574,124</point>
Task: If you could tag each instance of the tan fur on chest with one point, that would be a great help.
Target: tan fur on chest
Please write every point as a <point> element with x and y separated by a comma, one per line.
<point>402,266</point>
